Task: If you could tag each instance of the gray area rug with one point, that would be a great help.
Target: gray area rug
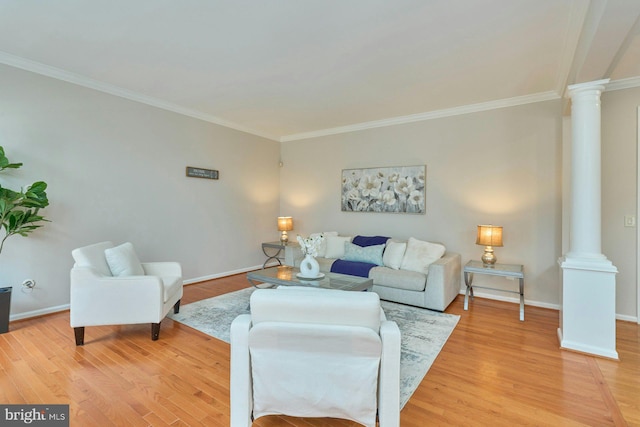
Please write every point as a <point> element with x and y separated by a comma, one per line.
<point>424,332</point>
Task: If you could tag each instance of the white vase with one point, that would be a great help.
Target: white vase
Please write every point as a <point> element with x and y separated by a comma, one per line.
<point>309,267</point>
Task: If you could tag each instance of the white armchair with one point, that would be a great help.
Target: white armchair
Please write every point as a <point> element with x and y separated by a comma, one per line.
<point>315,353</point>
<point>142,295</point>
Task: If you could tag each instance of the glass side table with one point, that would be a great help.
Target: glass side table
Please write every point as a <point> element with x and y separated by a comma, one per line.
<point>272,251</point>
<point>503,270</point>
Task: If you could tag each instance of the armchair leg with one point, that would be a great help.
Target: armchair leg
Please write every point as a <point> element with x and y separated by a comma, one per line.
<point>79,333</point>
<point>176,307</point>
<point>155,331</point>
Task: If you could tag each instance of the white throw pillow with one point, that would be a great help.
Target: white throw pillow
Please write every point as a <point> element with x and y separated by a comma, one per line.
<point>123,261</point>
<point>393,254</point>
<point>322,250</point>
<point>335,246</point>
<point>420,255</point>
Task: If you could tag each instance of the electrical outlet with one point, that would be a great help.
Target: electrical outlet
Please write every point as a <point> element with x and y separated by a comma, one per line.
<point>629,220</point>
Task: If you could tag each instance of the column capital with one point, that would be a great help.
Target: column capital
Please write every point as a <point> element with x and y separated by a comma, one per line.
<point>598,85</point>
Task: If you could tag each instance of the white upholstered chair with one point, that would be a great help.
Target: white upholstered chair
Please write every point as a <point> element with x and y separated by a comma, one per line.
<point>315,353</point>
<point>110,286</point>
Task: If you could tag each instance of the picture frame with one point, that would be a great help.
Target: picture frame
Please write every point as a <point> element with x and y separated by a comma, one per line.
<point>400,189</point>
<point>193,172</point>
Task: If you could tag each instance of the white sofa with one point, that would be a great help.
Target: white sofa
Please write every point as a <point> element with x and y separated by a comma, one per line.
<point>433,288</point>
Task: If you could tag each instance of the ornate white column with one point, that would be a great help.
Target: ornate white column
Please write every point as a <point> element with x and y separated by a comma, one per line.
<point>588,289</point>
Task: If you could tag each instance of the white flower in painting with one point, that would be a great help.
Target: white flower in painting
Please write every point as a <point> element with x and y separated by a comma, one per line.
<point>353,195</point>
<point>388,198</point>
<point>347,182</point>
<point>415,198</point>
<point>381,175</point>
<point>369,186</point>
<point>404,186</point>
<point>394,177</point>
<point>363,206</point>
<point>421,178</point>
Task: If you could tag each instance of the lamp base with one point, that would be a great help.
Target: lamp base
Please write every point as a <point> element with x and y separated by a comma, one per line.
<point>284,238</point>
<point>488,258</point>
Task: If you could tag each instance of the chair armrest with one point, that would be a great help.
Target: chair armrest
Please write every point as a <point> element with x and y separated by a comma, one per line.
<point>105,300</point>
<point>241,394</point>
<point>84,278</point>
<point>389,387</point>
<point>162,269</point>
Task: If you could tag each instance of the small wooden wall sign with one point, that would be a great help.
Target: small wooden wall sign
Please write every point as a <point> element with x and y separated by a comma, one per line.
<point>202,173</point>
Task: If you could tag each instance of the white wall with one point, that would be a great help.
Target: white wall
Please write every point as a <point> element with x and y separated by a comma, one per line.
<point>619,192</point>
<point>116,171</point>
<point>501,167</point>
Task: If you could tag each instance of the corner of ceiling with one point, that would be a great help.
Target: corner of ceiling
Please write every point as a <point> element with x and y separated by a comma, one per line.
<point>581,28</point>
<point>59,74</point>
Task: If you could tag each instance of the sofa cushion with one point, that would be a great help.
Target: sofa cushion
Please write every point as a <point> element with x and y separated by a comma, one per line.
<point>369,240</point>
<point>399,279</point>
<point>352,268</point>
<point>420,255</point>
<point>325,264</point>
<point>368,254</point>
<point>123,261</point>
<point>322,249</point>
<point>393,254</point>
<point>335,246</point>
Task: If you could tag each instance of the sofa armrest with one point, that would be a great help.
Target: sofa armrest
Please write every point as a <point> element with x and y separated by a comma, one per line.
<point>443,281</point>
<point>292,254</point>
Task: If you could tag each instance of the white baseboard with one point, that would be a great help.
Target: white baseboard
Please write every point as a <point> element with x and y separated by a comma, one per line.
<point>224,274</point>
<point>227,273</point>
<point>40,312</point>
<point>59,308</point>
<point>516,300</point>
<point>626,318</point>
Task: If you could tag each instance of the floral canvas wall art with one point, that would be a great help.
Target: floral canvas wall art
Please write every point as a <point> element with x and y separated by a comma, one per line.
<point>390,189</point>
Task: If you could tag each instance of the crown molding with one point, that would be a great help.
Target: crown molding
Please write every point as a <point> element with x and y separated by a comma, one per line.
<point>59,74</point>
<point>623,84</point>
<point>448,112</point>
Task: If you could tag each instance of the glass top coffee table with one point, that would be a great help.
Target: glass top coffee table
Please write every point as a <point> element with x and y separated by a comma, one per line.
<point>286,276</point>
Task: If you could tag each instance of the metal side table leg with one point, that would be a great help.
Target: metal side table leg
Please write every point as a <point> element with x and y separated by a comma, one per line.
<point>468,280</point>
<point>521,280</point>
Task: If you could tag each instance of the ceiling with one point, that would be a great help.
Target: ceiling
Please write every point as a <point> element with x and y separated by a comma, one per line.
<point>293,69</point>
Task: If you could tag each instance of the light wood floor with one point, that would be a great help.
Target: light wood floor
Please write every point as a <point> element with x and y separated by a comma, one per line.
<point>493,371</point>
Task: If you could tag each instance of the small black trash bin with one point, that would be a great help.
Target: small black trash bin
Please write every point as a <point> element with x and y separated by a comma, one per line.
<point>5,309</point>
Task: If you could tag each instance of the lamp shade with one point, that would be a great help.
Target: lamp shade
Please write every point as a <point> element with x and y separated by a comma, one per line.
<point>285,223</point>
<point>489,235</point>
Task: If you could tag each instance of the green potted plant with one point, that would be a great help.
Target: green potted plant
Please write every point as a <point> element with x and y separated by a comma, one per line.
<point>19,209</point>
<point>18,215</point>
